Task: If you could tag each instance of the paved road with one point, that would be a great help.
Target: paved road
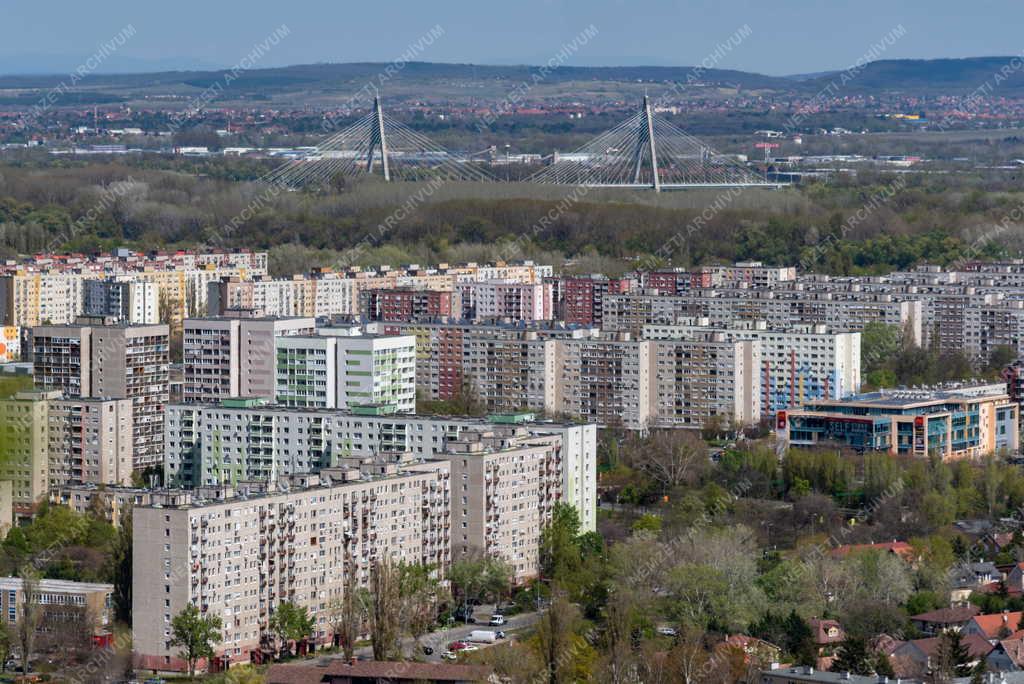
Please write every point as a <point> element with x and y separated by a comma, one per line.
<point>439,640</point>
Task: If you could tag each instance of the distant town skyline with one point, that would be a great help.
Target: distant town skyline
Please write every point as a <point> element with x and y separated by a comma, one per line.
<point>791,37</point>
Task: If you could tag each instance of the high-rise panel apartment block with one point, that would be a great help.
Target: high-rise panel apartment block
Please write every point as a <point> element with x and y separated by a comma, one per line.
<point>242,440</point>
<point>98,359</point>
<point>505,483</point>
<point>239,553</point>
<point>234,356</point>
<point>343,371</point>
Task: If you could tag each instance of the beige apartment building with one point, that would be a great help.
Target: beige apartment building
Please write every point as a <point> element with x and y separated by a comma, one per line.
<point>49,289</point>
<point>451,356</point>
<point>229,356</point>
<point>90,440</point>
<point>505,485</point>
<point>96,359</point>
<point>239,553</point>
<point>514,374</point>
<point>610,379</point>
<point>328,293</point>
<point>707,376</point>
<point>113,503</point>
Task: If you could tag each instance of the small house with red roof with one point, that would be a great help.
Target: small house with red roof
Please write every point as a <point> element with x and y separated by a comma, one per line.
<point>993,626</point>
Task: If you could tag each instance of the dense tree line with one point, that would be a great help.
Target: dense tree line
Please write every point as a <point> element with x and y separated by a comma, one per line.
<point>930,219</point>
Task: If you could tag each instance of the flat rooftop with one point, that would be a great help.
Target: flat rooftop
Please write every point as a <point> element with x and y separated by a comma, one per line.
<point>62,586</point>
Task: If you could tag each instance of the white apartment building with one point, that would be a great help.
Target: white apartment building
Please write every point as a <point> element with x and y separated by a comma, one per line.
<point>338,370</point>
<point>780,308</point>
<point>238,554</point>
<point>243,440</point>
<point>122,299</point>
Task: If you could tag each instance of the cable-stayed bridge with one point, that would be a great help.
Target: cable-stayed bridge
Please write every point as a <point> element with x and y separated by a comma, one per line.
<point>642,152</point>
<point>377,145</point>
<point>645,151</point>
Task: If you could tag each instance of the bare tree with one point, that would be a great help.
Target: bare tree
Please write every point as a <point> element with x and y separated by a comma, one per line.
<point>28,614</point>
<point>689,657</point>
<point>672,457</point>
<point>66,633</point>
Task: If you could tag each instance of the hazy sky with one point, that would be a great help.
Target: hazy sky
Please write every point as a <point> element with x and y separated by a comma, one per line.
<point>787,36</point>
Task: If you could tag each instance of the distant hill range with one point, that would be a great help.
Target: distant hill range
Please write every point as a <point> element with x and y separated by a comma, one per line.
<point>314,84</point>
<point>1003,75</point>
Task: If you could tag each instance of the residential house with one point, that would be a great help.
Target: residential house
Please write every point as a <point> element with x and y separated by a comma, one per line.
<point>1015,579</point>
<point>918,657</point>
<point>827,635</point>
<point>968,578</point>
<point>934,622</point>
<point>1008,654</point>
<point>994,626</point>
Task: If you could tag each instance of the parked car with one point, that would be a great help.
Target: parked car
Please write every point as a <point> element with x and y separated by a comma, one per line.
<point>497,620</point>
<point>449,655</point>
<point>470,647</point>
<point>668,631</point>
<point>499,634</point>
<point>457,646</point>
